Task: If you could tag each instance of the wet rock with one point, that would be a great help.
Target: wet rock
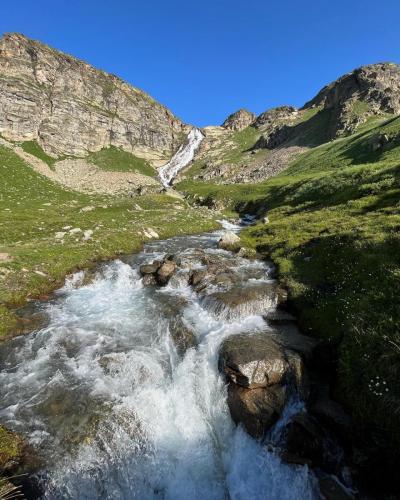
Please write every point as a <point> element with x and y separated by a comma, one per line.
<point>240,300</point>
<point>331,414</point>
<point>228,241</point>
<point>256,409</point>
<point>277,316</point>
<point>149,280</point>
<point>304,439</point>
<point>165,272</point>
<point>184,338</point>
<point>197,276</point>
<point>150,268</point>
<point>253,360</point>
<point>331,489</point>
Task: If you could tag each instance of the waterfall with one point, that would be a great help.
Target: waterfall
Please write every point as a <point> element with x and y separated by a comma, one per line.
<point>181,158</point>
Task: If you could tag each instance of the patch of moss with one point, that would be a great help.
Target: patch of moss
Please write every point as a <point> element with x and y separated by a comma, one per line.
<point>11,446</point>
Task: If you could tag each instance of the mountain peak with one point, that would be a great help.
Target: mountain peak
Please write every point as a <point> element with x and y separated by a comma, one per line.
<point>239,120</point>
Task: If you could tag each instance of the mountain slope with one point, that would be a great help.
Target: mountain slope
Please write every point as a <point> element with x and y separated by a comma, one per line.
<point>71,108</point>
<point>367,95</point>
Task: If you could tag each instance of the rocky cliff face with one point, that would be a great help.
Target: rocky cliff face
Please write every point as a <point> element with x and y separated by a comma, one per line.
<point>239,120</point>
<point>366,91</point>
<point>71,108</point>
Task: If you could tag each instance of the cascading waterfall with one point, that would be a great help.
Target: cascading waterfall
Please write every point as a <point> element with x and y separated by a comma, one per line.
<point>181,158</point>
<point>118,414</point>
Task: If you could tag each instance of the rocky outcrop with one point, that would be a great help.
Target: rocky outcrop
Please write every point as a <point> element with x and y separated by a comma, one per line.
<point>367,90</point>
<point>275,115</point>
<point>239,120</point>
<point>71,108</point>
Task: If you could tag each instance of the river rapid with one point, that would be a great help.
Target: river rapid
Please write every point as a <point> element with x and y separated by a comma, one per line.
<point>117,412</point>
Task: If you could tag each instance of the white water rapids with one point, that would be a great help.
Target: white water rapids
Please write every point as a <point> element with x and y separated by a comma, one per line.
<point>181,158</point>
<point>117,414</point>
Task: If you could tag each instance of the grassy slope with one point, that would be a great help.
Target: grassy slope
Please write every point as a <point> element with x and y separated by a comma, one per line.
<point>116,159</point>
<point>33,148</point>
<point>334,233</point>
<point>33,209</point>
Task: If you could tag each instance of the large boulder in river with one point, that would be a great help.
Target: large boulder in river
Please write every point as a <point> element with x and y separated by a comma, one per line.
<point>165,272</point>
<point>263,369</point>
<point>256,409</point>
<point>261,360</point>
<point>229,241</point>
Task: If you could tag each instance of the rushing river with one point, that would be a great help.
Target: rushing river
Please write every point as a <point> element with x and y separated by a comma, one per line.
<point>117,413</point>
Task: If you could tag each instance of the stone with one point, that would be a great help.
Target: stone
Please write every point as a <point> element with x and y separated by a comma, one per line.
<point>239,120</point>
<point>149,280</point>
<point>150,268</point>
<point>332,489</point>
<point>265,220</point>
<point>253,360</point>
<point>197,276</point>
<point>256,409</point>
<point>87,209</point>
<point>87,235</point>
<point>165,272</point>
<point>183,337</point>
<point>75,230</point>
<point>228,240</point>
<point>304,438</point>
<point>60,235</point>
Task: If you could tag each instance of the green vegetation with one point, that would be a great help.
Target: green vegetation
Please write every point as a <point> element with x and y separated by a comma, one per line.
<point>334,234</point>
<point>33,148</point>
<point>10,448</point>
<point>33,210</point>
<point>116,159</point>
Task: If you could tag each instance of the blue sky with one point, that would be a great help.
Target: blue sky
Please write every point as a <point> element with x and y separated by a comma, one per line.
<point>205,59</point>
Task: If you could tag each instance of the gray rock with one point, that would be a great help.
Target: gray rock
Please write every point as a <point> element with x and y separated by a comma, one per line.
<point>256,409</point>
<point>228,240</point>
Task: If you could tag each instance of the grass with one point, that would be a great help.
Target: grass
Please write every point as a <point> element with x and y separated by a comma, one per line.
<point>33,210</point>
<point>33,148</point>
<point>334,234</point>
<point>116,159</point>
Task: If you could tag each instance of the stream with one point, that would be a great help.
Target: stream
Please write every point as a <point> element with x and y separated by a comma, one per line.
<point>117,412</point>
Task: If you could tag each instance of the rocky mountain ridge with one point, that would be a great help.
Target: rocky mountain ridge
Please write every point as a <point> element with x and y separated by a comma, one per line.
<point>280,134</point>
<point>70,108</point>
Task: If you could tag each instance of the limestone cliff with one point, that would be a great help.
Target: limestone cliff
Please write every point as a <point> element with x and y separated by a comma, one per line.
<point>71,108</point>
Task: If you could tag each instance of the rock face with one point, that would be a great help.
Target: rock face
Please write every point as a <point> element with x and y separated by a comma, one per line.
<point>376,86</point>
<point>239,120</point>
<point>71,108</point>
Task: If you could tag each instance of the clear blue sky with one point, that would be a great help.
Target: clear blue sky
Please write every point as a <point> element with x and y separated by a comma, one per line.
<point>205,59</point>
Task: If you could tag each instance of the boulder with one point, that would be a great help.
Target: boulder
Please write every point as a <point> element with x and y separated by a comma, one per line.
<point>256,409</point>
<point>149,280</point>
<point>332,489</point>
<point>228,241</point>
<point>183,337</point>
<point>165,271</point>
<point>150,268</point>
<point>253,360</point>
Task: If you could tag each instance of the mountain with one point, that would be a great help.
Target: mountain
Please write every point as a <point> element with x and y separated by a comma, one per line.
<point>250,149</point>
<point>70,108</point>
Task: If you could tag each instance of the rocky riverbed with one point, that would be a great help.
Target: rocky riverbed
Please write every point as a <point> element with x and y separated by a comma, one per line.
<point>174,373</point>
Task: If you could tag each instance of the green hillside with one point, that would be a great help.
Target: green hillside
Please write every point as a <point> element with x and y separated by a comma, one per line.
<point>334,233</point>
